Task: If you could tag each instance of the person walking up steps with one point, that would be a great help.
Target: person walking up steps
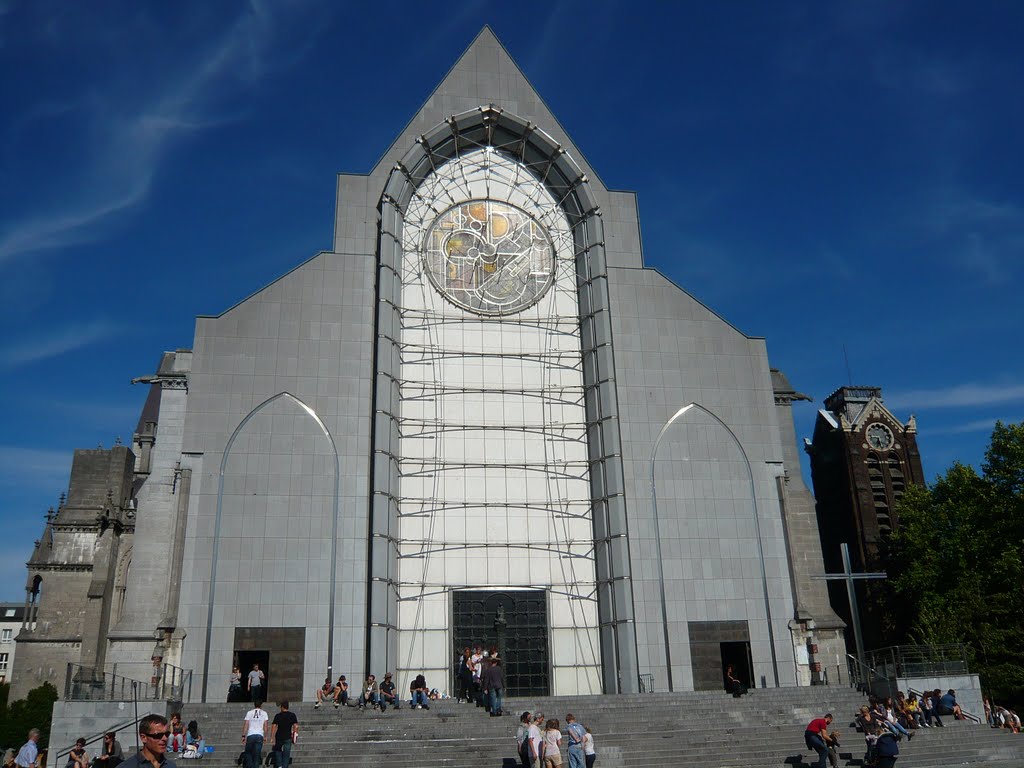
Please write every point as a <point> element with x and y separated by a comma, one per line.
<point>254,733</point>
<point>283,732</point>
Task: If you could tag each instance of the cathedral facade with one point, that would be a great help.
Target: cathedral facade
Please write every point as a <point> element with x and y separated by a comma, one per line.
<point>465,423</point>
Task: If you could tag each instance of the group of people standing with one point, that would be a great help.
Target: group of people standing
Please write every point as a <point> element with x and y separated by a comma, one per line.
<point>481,679</point>
<point>252,689</point>
<point>538,742</point>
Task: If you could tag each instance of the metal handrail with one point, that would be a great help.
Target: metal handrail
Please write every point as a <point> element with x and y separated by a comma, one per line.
<point>871,670</point>
<point>90,684</point>
<point>866,683</point>
<point>98,736</point>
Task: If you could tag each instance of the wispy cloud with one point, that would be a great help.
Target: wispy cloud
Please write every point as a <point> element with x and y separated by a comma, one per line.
<point>55,343</point>
<point>111,416</point>
<point>978,425</point>
<point>985,235</point>
<point>126,145</point>
<point>33,466</point>
<point>903,69</point>
<point>960,396</point>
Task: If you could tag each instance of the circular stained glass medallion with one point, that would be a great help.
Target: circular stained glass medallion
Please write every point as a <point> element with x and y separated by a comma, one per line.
<point>489,257</point>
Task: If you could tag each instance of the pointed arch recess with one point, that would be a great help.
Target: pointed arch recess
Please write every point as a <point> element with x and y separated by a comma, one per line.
<point>217,521</point>
<point>525,142</point>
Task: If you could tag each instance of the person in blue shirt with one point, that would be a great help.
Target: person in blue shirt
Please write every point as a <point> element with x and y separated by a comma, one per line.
<point>576,733</point>
<point>28,755</point>
<point>948,705</point>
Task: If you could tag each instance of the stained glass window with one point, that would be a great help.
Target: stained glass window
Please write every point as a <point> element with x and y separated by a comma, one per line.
<point>489,257</point>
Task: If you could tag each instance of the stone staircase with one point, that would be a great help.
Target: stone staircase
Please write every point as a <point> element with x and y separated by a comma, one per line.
<point>763,728</point>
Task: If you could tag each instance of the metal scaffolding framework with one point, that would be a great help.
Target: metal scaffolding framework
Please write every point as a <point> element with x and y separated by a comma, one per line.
<point>495,395</point>
<point>458,414</point>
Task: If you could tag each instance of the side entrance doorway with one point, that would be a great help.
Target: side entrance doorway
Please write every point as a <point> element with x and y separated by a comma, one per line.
<point>280,652</point>
<point>514,621</point>
<point>714,645</point>
<point>737,655</point>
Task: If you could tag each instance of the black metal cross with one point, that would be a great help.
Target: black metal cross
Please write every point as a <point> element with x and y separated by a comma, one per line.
<point>850,577</point>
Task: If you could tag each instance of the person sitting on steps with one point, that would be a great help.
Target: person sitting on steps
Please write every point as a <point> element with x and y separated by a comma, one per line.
<point>869,726</point>
<point>419,690</point>
<point>370,694</point>
<point>732,683</point>
<point>388,694</point>
<point>325,692</point>
<point>947,705</point>
<point>931,717</point>
<point>341,692</point>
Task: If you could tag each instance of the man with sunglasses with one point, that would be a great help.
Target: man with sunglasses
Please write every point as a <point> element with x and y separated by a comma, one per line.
<point>153,731</point>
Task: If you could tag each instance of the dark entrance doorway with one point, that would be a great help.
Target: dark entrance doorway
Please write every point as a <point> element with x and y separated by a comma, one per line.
<point>280,652</point>
<point>245,661</point>
<point>708,641</point>
<point>738,655</point>
<point>514,621</point>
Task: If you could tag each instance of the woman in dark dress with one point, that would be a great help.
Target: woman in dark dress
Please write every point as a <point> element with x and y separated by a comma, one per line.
<point>732,683</point>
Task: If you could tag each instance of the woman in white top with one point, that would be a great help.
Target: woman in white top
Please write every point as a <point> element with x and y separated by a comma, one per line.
<point>552,744</point>
<point>589,754</point>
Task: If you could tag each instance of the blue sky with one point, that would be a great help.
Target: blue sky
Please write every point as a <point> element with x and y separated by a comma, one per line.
<point>822,174</point>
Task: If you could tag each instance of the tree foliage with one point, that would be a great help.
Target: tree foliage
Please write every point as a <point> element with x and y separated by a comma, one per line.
<point>34,711</point>
<point>957,563</point>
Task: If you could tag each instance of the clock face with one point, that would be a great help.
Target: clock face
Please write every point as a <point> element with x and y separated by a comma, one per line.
<point>879,437</point>
<point>489,257</point>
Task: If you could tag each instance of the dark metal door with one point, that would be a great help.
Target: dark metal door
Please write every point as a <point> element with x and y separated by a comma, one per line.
<point>514,621</point>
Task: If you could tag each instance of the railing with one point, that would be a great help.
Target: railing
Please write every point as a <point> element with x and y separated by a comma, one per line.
<point>920,660</point>
<point>91,684</point>
<point>174,684</point>
<point>646,683</point>
<point>867,679</point>
<point>99,737</point>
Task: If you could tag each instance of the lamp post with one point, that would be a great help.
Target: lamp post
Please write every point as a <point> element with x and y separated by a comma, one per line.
<point>757,528</point>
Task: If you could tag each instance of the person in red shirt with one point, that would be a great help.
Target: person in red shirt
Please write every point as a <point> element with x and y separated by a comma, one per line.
<point>815,737</point>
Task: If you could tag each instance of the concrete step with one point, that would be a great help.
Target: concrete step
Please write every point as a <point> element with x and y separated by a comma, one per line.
<point>761,730</point>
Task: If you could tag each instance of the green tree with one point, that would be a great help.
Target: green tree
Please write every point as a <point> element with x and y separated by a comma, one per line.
<point>34,711</point>
<point>957,563</point>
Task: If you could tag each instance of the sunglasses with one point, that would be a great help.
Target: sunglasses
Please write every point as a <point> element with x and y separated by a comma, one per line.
<point>158,735</point>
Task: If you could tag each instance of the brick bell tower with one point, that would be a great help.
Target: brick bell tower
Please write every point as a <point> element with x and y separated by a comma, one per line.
<point>863,458</point>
